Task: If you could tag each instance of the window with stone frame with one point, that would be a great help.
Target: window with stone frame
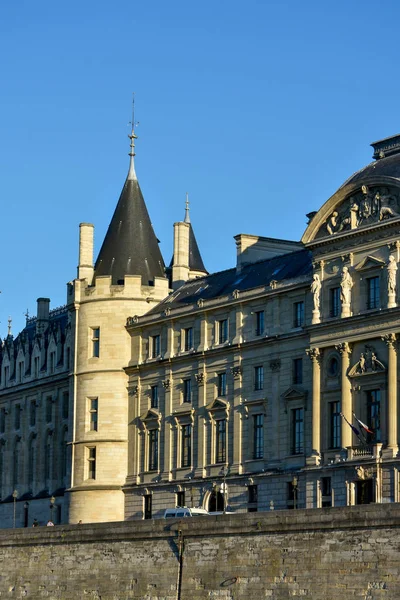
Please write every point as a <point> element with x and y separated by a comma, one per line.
<point>373,292</point>
<point>148,506</point>
<point>297,430</point>
<point>49,409</point>
<point>186,445</point>
<point>17,416</point>
<point>335,424</point>
<point>298,314</point>
<point>154,396</point>
<point>221,385</point>
<point>95,342</point>
<point>187,390</point>
<point>155,346</point>
<point>180,499</point>
<point>153,449</point>
<point>32,413</point>
<point>258,436</point>
<point>222,331</point>
<point>334,302</point>
<point>260,318</point>
<point>297,371</point>
<point>373,416</point>
<point>252,493</point>
<point>188,339</point>
<point>93,414</point>
<point>258,378</point>
<point>65,405</point>
<point>220,441</point>
<point>91,462</point>
<point>326,492</point>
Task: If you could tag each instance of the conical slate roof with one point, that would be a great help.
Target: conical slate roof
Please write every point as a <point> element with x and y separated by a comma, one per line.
<point>130,246</point>
<point>195,260</point>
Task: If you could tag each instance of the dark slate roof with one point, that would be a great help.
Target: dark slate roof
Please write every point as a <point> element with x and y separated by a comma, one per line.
<point>195,260</point>
<point>384,167</point>
<point>130,246</point>
<point>279,268</point>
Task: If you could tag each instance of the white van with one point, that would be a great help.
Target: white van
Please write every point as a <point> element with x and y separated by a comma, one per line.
<point>183,512</point>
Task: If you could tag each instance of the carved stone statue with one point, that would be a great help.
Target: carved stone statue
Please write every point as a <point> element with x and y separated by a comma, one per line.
<point>391,281</point>
<point>346,284</point>
<point>316,291</point>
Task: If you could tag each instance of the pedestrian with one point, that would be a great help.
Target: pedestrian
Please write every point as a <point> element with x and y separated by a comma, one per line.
<point>80,522</point>
<point>35,523</point>
<point>50,523</point>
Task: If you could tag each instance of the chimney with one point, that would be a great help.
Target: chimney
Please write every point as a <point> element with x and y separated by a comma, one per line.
<point>85,267</point>
<point>43,305</point>
<point>180,261</point>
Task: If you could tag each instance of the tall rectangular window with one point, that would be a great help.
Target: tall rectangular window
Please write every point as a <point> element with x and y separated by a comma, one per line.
<point>221,388</point>
<point>326,492</point>
<point>155,346</point>
<point>186,448</point>
<point>148,506</point>
<point>298,371</point>
<point>374,416</point>
<point>187,390</point>
<point>180,499</point>
<point>32,413</point>
<point>188,335</point>
<point>20,370</point>
<point>93,413</point>
<point>95,342</point>
<point>373,291</point>
<point>6,375</point>
<point>335,424</point>
<point>17,416</point>
<point>65,405</point>
<point>154,396</point>
<point>220,445</point>
<point>259,322</point>
<point>298,314</point>
<point>252,491</point>
<point>2,420</point>
<point>153,449</point>
<point>334,302</point>
<point>258,433</point>
<point>222,331</point>
<point>91,457</point>
<point>297,427</point>
<point>258,378</point>
<point>49,409</point>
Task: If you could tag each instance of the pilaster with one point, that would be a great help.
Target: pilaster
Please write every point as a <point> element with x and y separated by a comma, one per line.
<point>346,405</point>
<point>315,355</point>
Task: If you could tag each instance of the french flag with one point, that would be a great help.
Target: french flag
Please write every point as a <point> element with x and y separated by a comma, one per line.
<point>363,425</point>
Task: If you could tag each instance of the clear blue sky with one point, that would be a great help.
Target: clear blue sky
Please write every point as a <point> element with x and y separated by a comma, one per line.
<point>259,109</point>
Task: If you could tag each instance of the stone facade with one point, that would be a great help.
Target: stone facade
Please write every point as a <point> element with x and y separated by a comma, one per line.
<point>270,385</point>
<point>322,554</point>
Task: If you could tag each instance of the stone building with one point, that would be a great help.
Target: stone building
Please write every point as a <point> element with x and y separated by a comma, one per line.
<point>274,384</point>
<point>270,385</point>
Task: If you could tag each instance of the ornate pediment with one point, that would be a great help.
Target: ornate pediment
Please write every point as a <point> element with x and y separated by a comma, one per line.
<point>217,404</point>
<point>294,393</point>
<point>370,262</point>
<point>367,364</point>
<point>150,415</point>
<point>366,206</point>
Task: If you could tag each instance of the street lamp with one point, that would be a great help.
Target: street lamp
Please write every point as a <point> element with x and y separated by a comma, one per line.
<point>224,472</point>
<point>15,496</point>
<point>26,512</point>
<point>295,482</point>
<point>52,502</point>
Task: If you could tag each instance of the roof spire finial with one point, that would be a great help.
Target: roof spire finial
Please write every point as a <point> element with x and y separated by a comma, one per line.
<point>187,217</point>
<point>9,325</point>
<point>132,137</point>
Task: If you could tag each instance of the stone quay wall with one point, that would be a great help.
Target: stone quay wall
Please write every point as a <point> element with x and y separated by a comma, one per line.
<point>321,554</point>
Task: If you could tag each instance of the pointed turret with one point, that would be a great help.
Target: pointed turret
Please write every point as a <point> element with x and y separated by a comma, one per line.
<point>130,246</point>
<point>186,262</point>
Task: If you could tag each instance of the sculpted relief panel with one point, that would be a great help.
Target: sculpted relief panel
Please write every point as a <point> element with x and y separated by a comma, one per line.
<point>368,206</point>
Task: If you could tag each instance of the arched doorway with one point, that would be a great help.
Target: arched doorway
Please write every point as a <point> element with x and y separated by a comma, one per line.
<point>215,502</point>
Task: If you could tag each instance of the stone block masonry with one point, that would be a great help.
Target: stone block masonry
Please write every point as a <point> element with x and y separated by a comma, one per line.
<point>321,554</point>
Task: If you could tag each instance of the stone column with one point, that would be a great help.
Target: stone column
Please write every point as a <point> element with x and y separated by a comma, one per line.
<point>392,448</point>
<point>200,426</point>
<point>315,356</point>
<point>166,425</point>
<point>346,404</point>
<point>235,425</point>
